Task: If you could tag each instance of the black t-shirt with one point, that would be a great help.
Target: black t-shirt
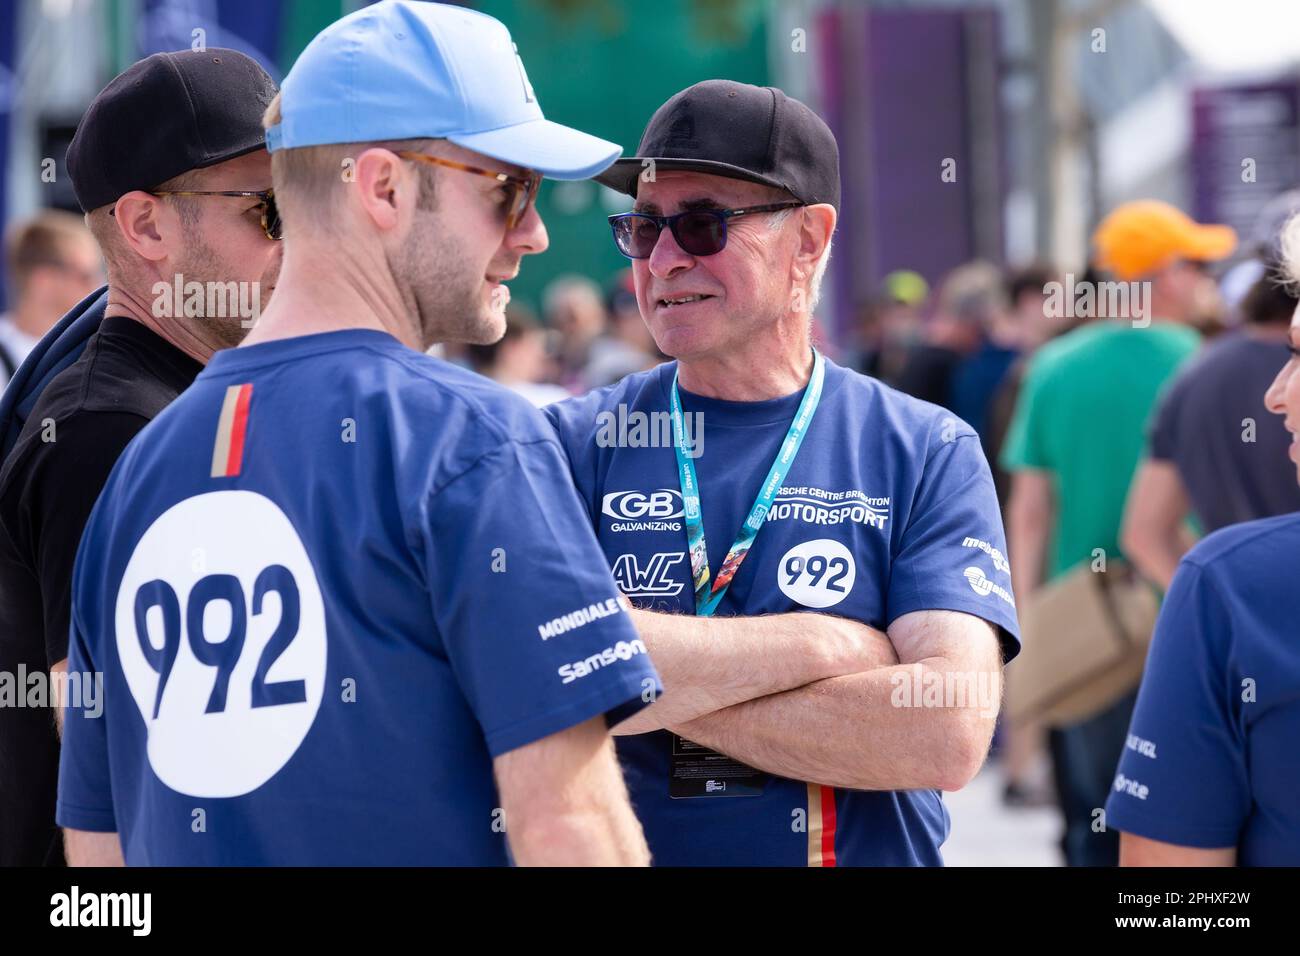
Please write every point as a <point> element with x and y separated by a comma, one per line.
<point>48,486</point>
<point>928,372</point>
<point>1234,471</point>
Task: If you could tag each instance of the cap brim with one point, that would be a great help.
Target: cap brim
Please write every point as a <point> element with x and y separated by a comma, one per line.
<point>555,151</point>
<point>233,152</point>
<point>1211,243</point>
<point>624,175</point>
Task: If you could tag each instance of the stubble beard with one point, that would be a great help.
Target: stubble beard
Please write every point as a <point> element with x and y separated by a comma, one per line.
<point>443,288</point>
<point>203,264</point>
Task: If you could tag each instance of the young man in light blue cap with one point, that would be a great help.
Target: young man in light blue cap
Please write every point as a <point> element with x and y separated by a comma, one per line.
<point>344,597</point>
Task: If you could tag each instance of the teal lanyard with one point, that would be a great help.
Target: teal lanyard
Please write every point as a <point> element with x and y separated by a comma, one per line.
<point>706,598</point>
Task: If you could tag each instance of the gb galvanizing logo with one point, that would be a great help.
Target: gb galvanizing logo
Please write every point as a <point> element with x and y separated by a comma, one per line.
<point>644,510</point>
<point>622,651</point>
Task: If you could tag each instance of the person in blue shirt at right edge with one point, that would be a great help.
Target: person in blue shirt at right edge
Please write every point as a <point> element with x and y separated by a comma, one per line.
<point>1209,775</point>
<point>817,560</point>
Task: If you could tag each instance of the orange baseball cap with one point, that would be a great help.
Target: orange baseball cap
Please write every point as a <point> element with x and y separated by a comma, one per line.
<point>1141,237</point>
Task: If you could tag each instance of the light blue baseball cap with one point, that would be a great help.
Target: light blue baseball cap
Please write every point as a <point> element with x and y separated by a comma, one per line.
<point>412,70</point>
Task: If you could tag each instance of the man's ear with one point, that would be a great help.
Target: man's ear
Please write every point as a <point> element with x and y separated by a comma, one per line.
<point>147,225</point>
<point>381,186</point>
<point>815,231</point>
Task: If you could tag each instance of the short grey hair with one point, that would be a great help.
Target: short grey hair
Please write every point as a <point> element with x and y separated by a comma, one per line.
<point>1289,244</point>
<point>815,283</point>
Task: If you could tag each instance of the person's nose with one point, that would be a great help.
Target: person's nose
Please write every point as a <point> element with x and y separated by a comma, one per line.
<point>667,258</point>
<point>1273,397</point>
<point>528,237</point>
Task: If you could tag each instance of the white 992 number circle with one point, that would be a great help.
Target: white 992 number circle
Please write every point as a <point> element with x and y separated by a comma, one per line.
<point>817,573</point>
<point>220,629</point>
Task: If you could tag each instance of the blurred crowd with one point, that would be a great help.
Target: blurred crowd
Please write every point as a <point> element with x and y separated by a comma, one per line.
<point>52,263</point>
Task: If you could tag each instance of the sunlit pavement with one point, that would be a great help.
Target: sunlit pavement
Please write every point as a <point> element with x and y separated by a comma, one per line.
<point>985,832</point>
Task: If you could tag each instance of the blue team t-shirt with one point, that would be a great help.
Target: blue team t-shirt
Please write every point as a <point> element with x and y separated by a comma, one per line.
<point>325,588</point>
<point>888,508</point>
<point>1210,759</point>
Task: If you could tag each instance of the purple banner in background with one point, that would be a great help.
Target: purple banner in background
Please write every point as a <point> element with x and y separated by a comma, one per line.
<point>1245,150</point>
<point>913,97</point>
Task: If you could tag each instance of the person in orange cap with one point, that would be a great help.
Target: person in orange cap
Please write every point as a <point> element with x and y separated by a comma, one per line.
<point>1153,242</point>
<point>1074,443</point>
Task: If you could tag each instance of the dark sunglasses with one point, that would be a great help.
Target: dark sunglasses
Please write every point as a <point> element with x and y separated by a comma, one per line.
<point>271,224</point>
<point>700,232</point>
<point>519,192</point>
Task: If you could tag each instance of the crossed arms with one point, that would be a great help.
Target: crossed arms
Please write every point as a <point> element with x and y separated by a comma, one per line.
<point>816,698</point>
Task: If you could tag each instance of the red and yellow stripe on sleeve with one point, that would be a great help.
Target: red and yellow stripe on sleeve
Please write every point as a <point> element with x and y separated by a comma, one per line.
<point>228,452</point>
<point>821,825</point>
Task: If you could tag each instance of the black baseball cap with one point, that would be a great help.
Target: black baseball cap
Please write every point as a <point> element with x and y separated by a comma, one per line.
<point>755,133</point>
<point>165,115</point>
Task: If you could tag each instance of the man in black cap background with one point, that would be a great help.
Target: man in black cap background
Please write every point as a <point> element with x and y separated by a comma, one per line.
<point>169,164</point>
<point>834,664</point>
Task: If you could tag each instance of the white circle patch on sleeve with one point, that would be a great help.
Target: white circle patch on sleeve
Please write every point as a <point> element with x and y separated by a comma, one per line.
<point>220,630</point>
<point>817,573</point>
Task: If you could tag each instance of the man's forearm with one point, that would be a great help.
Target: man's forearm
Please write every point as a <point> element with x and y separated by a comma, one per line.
<point>565,803</point>
<point>91,848</point>
<point>1157,560</point>
<point>593,836</point>
<point>57,675</point>
<point>877,730</point>
<point>1030,515</point>
<point>709,664</point>
<point>1154,546</point>
<point>1154,534</point>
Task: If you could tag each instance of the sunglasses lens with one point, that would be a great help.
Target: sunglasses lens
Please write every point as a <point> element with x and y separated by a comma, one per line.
<point>274,227</point>
<point>701,233</point>
<point>636,236</point>
<point>514,204</point>
<point>518,199</point>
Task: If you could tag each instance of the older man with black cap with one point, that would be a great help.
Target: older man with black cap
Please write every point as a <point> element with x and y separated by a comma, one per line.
<point>840,665</point>
<point>170,166</point>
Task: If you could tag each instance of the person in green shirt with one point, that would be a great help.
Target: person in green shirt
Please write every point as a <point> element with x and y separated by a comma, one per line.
<point>1080,425</point>
<point>1076,438</point>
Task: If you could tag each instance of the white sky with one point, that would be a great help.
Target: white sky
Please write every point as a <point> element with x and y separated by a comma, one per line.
<point>1236,34</point>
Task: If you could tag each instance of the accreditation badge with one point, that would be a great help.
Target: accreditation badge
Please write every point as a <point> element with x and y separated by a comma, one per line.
<point>697,771</point>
